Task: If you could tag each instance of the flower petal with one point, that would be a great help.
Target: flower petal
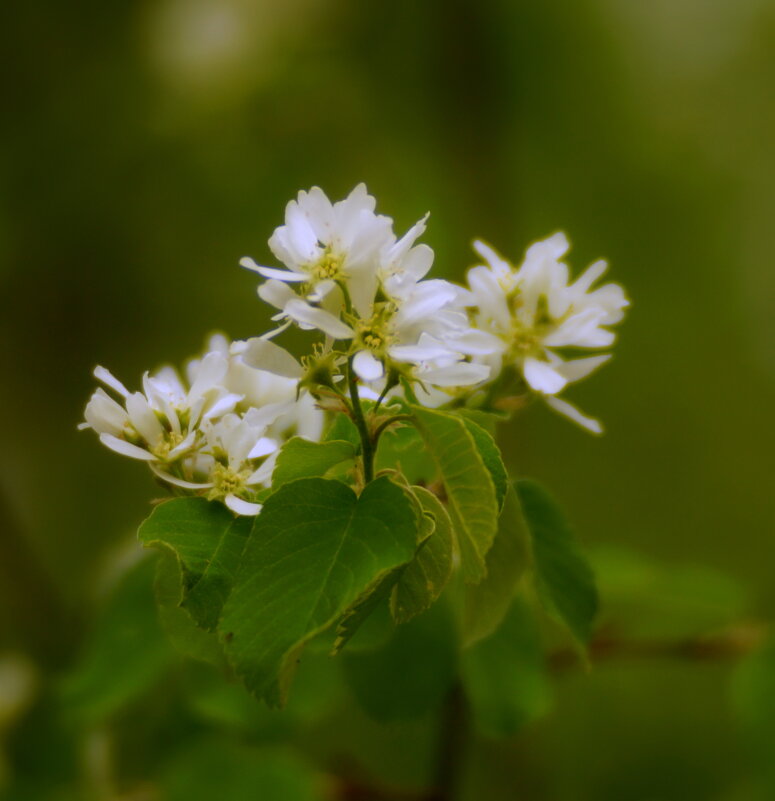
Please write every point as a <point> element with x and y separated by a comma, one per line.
<point>265,355</point>
<point>126,448</point>
<point>143,418</point>
<point>107,378</point>
<point>240,507</point>
<point>179,482</point>
<point>542,377</point>
<point>289,276</point>
<point>276,293</point>
<point>572,413</point>
<point>367,367</point>
<point>264,447</point>
<point>302,312</point>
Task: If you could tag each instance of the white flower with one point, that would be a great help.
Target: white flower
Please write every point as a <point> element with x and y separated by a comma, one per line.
<point>160,425</point>
<point>526,314</point>
<point>218,433</point>
<point>323,243</point>
<point>333,249</point>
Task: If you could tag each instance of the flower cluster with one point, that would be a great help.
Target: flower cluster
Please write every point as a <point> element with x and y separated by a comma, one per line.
<point>387,328</point>
<point>217,432</point>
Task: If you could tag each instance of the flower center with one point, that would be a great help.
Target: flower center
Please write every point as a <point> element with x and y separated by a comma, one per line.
<point>374,334</point>
<point>227,481</point>
<point>328,267</point>
<point>170,440</point>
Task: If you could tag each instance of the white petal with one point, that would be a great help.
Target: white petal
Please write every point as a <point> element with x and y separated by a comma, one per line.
<point>126,448</point>
<point>458,374</point>
<point>263,475</point>
<point>211,373</point>
<point>542,377</point>
<point>263,447</point>
<point>571,412</point>
<point>490,297</point>
<point>276,293</point>
<point>402,247</point>
<point>362,285</point>
<point>367,367</point>
<point>223,405</point>
<point>474,342</point>
<point>182,446</point>
<point>179,482</point>
<point>577,369</point>
<point>302,312</point>
<point>240,507</point>
<point>143,418</point>
<point>426,348</point>
<point>265,355</point>
<point>107,378</point>
<point>105,415</point>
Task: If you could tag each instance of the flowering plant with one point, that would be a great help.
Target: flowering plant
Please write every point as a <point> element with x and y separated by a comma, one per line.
<point>363,482</point>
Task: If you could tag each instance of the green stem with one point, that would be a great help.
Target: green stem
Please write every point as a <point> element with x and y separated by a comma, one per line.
<point>367,443</point>
<point>399,418</point>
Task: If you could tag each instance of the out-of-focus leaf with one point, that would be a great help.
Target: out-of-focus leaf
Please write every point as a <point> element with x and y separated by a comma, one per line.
<point>487,420</point>
<point>486,603</point>
<point>754,701</point>
<point>424,578</point>
<point>505,675</point>
<point>208,541</point>
<point>411,673</point>
<point>222,769</point>
<point>180,627</point>
<point>125,655</point>
<point>471,497</point>
<point>300,458</point>
<point>646,598</point>
<point>491,457</point>
<point>565,580</point>
<point>316,547</point>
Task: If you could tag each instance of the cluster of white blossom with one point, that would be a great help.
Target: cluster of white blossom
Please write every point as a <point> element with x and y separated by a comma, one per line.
<point>358,282</point>
<point>350,277</point>
<point>217,432</point>
<point>532,312</point>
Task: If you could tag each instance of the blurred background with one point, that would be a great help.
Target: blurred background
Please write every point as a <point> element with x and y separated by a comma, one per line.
<point>146,147</point>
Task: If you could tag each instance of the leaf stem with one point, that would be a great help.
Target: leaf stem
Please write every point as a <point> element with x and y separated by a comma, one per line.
<point>399,418</point>
<point>367,443</point>
<point>454,725</point>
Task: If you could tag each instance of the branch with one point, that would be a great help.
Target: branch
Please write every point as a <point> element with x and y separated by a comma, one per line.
<point>732,643</point>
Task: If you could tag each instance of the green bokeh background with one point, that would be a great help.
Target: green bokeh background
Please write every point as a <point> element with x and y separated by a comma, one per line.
<point>146,147</point>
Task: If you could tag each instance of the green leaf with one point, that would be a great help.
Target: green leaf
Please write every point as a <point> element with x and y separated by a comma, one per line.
<point>564,577</point>
<point>401,447</point>
<point>505,677</point>
<point>125,655</point>
<point>363,607</point>
<point>491,456</point>
<point>208,541</point>
<point>486,603</point>
<point>301,458</point>
<point>315,548</point>
<point>411,674</point>
<point>471,496</point>
<point>343,428</point>
<point>183,632</point>
<point>424,578</point>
